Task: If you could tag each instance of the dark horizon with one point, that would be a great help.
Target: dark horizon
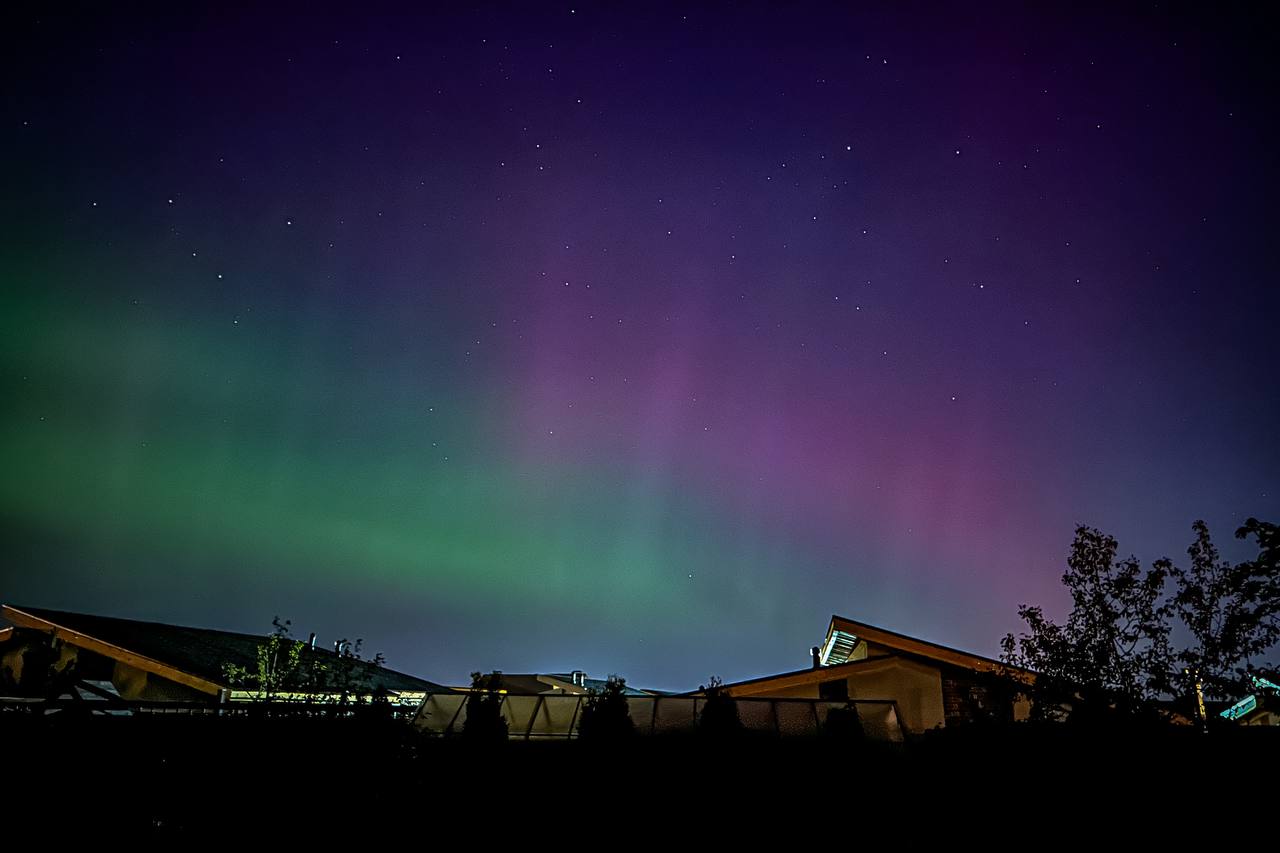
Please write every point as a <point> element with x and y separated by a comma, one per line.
<point>630,340</point>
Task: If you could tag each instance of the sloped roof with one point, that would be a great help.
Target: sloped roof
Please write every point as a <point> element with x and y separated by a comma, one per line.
<point>521,683</point>
<point>843,637</point>
<point>191,656</point>
<point>533,683</point>
<point>598,684</point>
<point>841,625</point>
<point>802,676</point>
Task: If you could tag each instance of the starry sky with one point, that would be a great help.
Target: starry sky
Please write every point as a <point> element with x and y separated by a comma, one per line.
<point>637,338</point>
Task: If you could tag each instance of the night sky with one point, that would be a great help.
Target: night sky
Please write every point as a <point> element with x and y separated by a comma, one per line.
<point>634,339</point>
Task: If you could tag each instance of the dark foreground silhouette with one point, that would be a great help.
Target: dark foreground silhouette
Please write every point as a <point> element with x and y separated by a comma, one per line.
<point>372,776</point>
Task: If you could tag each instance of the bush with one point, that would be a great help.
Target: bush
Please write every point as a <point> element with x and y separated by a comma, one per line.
<point>719,717</point>
<point>484,722</point>
<point>605,714</point>
<point>844,723</point>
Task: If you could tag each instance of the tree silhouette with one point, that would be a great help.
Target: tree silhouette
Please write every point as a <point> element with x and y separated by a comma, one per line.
<point>844,723</point>
<point>1112,655</point>
<point>348,675</point>
<point>1231,611</point>
<point>484,722</point>
<point>605,715</point>
<point>719,717</point>
<point>285,666</point>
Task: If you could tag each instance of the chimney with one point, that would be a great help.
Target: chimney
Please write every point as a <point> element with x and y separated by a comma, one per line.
<point>817,657</point>
<point>312,641</point>
<point>579,678</point>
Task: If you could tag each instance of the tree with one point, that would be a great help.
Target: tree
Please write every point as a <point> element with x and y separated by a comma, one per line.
<point>484,722</point>
<point>605,715</point>
<point>349,674</point>
<point>719,717</point>
<point>284,666</point>
<point>1231,612</point>
<point>279,661</point>
<point>1112,655</point>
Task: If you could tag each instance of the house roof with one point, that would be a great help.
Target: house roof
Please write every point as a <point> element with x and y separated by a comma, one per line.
<point>803,676</point>
<point>1246,707</point>
<point>843,637</point>
<point>532,683</point>
<point>194,657</point>
<point>842,628</point>
<point>526,683</point>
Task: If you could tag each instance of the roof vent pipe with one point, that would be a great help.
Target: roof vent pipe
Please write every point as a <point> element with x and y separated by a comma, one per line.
<point>817,656</point>
<point>312,641</point>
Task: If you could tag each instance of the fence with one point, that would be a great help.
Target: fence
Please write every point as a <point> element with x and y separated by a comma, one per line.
<point>529,717</point>
<point>552,716</point>
<point>277,709</point>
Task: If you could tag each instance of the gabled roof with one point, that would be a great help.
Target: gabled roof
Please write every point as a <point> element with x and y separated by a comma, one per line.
<point>843,635</point>
<point>194,657</point>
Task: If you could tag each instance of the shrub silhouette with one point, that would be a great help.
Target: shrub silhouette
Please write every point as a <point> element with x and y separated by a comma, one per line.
<point>844,723</point>
<point>605,715</point>
<point>484,722</point>
<point>719,717</point>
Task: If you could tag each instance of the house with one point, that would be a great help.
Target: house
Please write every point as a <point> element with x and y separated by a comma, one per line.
<point>151,661</point>
<point>932,685</point>
<point>1257,709</point>
<point>898,684</point>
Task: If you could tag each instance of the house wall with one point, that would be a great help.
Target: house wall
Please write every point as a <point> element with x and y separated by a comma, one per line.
<point>916,688</point>
<point>1263,718</point>
<point>969,696</point>
<point>33,647</point>
<point>133,683</point>
<point>966,699</point>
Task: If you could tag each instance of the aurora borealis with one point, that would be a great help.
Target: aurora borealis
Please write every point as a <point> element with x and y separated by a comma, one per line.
<point>635,340</point>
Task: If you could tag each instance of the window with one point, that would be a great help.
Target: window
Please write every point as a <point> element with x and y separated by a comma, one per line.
<point>834,691</point>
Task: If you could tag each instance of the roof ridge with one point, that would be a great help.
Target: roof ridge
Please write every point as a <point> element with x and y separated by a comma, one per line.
<point>941,647</point>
